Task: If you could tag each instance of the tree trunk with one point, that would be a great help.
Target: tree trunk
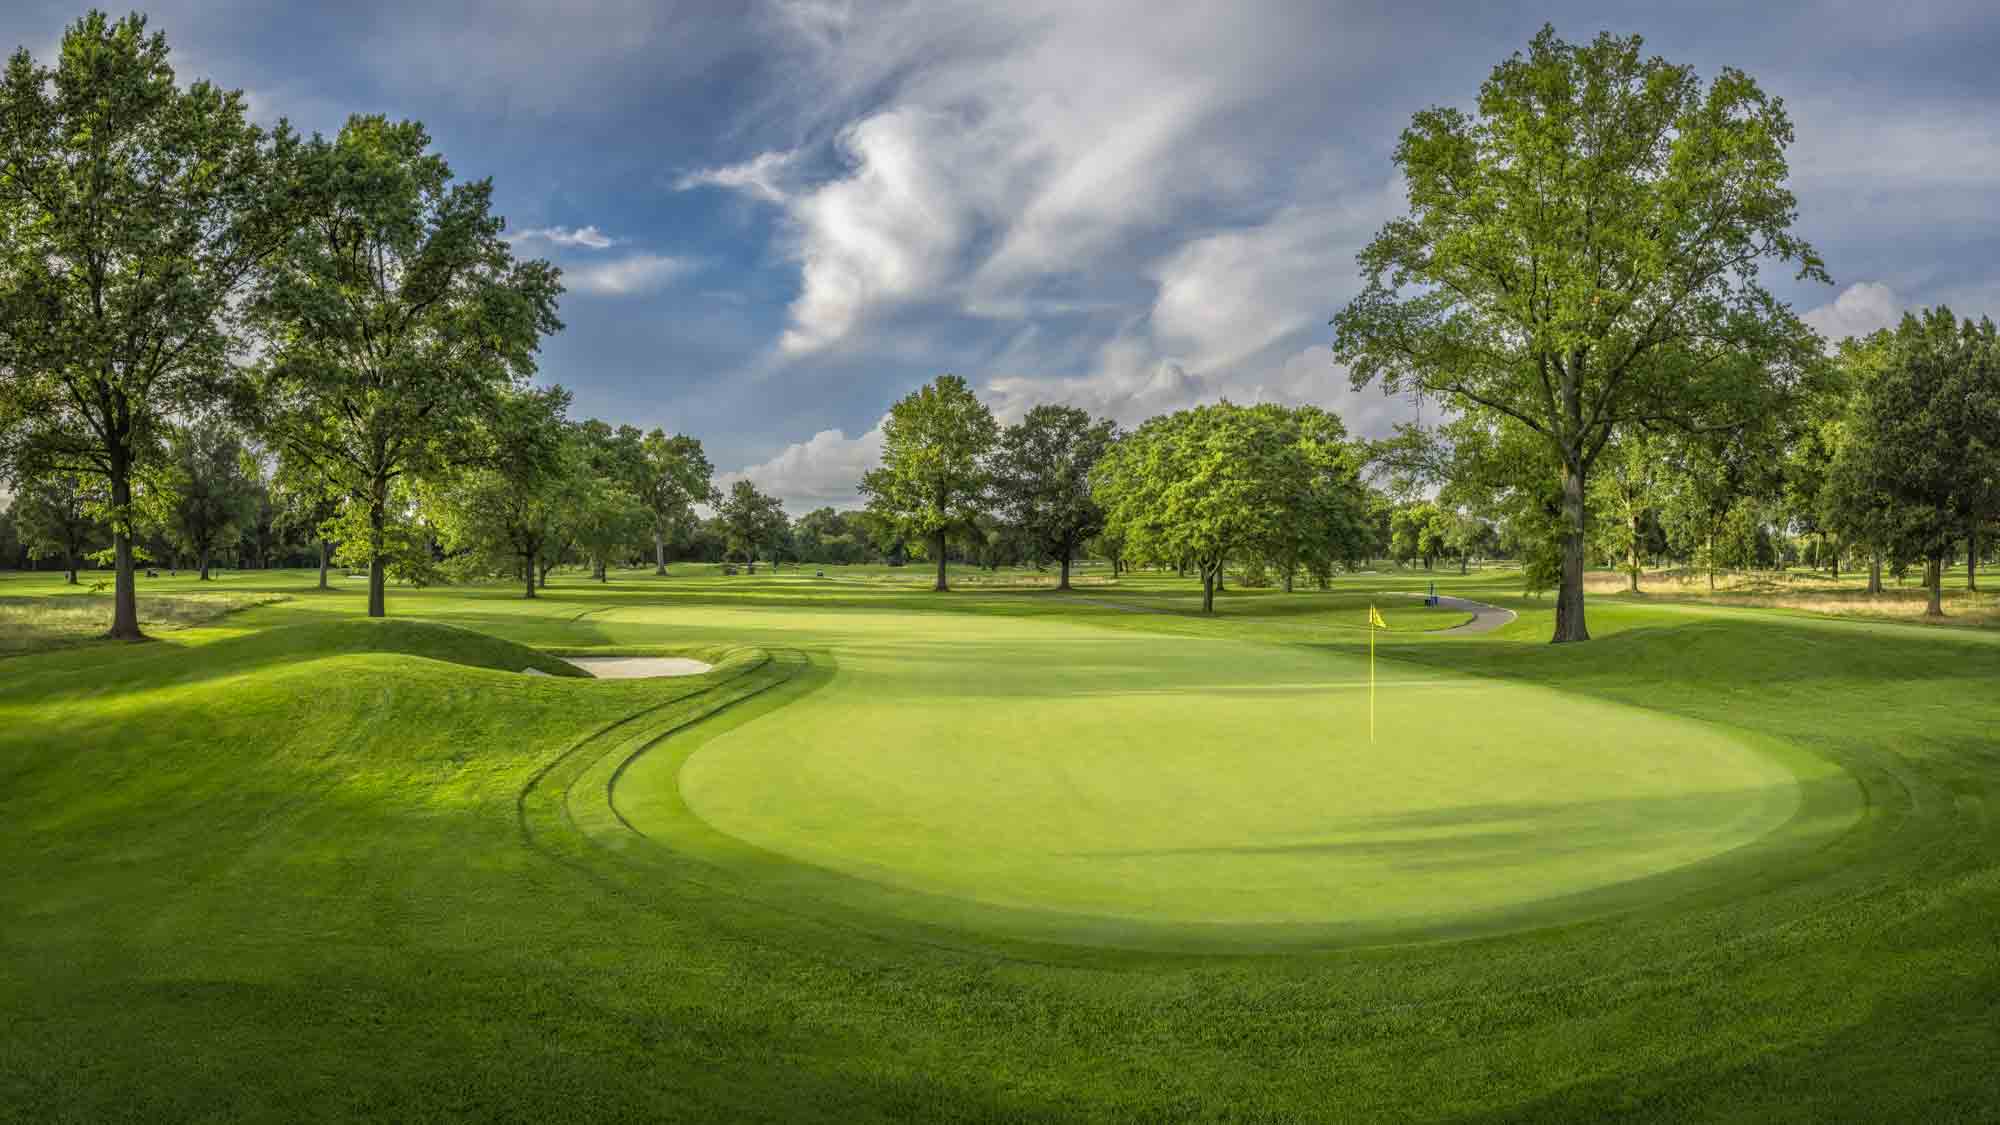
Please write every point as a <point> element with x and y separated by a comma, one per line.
<point>1569,595</point>
<point>528,574</point>
<point>322,564</point>
<point>941,585</point>
<point>378,567</point>
<point>1711,562</point>
<point>659,554</point>
<point>1288,579</point>
<point>1935,579</point>
<point>124,587</point>
<point>202,557</point>
<point>1835,559</point>
<point>1209,578</point>
<point>69,564</point>
<point>1464,562</point>
<point>1063,582</point>
<point>1632,556</point>
<point>1874,572</point>
<point>1972,558</point>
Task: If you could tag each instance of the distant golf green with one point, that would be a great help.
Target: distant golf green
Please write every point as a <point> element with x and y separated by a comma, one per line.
<point>1032,764</point>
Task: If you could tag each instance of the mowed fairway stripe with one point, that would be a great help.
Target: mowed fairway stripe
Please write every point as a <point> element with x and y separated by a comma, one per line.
<point>1101,779</point>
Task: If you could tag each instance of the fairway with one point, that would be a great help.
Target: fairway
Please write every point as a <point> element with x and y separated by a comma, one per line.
<point>1124,787</point>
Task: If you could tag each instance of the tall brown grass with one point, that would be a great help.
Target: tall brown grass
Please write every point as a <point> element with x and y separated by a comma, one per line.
<point>34,624</point>
<point>1807,593</point>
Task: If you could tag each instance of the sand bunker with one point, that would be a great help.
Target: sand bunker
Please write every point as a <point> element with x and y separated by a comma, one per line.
<point>636,667</point>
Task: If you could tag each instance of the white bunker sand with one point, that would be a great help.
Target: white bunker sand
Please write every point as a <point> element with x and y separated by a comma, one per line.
<point>633,667</point>
<point>638,667</point>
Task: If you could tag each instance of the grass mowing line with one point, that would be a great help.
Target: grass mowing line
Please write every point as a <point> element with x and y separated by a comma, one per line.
<point>536,779</point>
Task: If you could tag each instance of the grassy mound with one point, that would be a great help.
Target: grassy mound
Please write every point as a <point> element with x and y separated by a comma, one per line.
<point>427,639</point>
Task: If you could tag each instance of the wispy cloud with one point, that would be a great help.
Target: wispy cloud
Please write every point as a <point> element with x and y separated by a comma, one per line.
<point>761,177</point>
<point>578,238</point>
<point>628,276</point>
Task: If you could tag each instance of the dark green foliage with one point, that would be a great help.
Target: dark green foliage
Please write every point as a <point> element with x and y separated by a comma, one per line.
<point>396,316</point>
<point>1581,257</point>
<point>934,478</point>
<point>133,214</point>
<point>1041,480</point>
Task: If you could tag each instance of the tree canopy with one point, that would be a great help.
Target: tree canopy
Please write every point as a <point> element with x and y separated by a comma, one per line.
<point>1581,256</point>
<point>134,213</point>
<point>1203,484</point>
<point>753,521</point>
<point>934,477</point>
<point>396,315</point>
<point>1041,479</point>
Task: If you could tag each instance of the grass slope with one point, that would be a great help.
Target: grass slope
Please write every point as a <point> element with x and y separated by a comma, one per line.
<point>256,873</point>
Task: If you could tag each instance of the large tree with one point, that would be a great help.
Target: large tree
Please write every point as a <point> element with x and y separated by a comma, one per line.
<point>507,505</point>
<point>1581,256</point>
<point>395,317</point>
<point>1326,508</point>
<point>201,493</point>
<point>1924,450</point>
<point>752,521</point>
<point>1629,490</point>
<point>1211,482</point>
<point>677,476</point>
<point>305,507</point>
<point>133,213</point>
<point>1041,479</point>
<point>57,515</point>
<point>934,478</point>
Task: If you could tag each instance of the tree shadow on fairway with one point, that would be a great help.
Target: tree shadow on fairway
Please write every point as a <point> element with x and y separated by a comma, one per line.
<point>1497,835</point>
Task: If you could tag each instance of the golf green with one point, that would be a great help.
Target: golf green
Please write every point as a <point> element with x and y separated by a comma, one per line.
<point>1069,783</point>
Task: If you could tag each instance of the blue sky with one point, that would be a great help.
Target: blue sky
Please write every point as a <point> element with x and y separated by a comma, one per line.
<point>777,217</point>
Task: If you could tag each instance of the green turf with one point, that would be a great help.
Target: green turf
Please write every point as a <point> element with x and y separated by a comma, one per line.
<point>290,866</point>
<point>1035,764</point>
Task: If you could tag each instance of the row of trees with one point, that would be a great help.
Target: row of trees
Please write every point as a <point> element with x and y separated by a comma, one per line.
<point>1272,488</point>
<point>187,299</point>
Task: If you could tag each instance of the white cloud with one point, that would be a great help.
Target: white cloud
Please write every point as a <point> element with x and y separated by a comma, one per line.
<point>627,276</point>
<point>1860,309</point>
<point>1129,386</point>
<point>761,177</point>
<point>586,238</point>
<point>885,233</point>
<point>991,153</point>
<point>824,470</point>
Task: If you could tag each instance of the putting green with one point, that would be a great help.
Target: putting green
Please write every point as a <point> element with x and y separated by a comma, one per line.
<point>1049,779</point>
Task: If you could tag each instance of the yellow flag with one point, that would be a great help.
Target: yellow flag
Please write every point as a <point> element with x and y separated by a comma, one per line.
<point>1375,619</point>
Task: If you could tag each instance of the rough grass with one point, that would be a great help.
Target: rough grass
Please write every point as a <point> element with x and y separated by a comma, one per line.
<point>274,869</point>
<point>1812,592</point>
<point>34,624</point>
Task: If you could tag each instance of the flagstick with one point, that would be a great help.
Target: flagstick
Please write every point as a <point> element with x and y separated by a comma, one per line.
<point>1371,683</point>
